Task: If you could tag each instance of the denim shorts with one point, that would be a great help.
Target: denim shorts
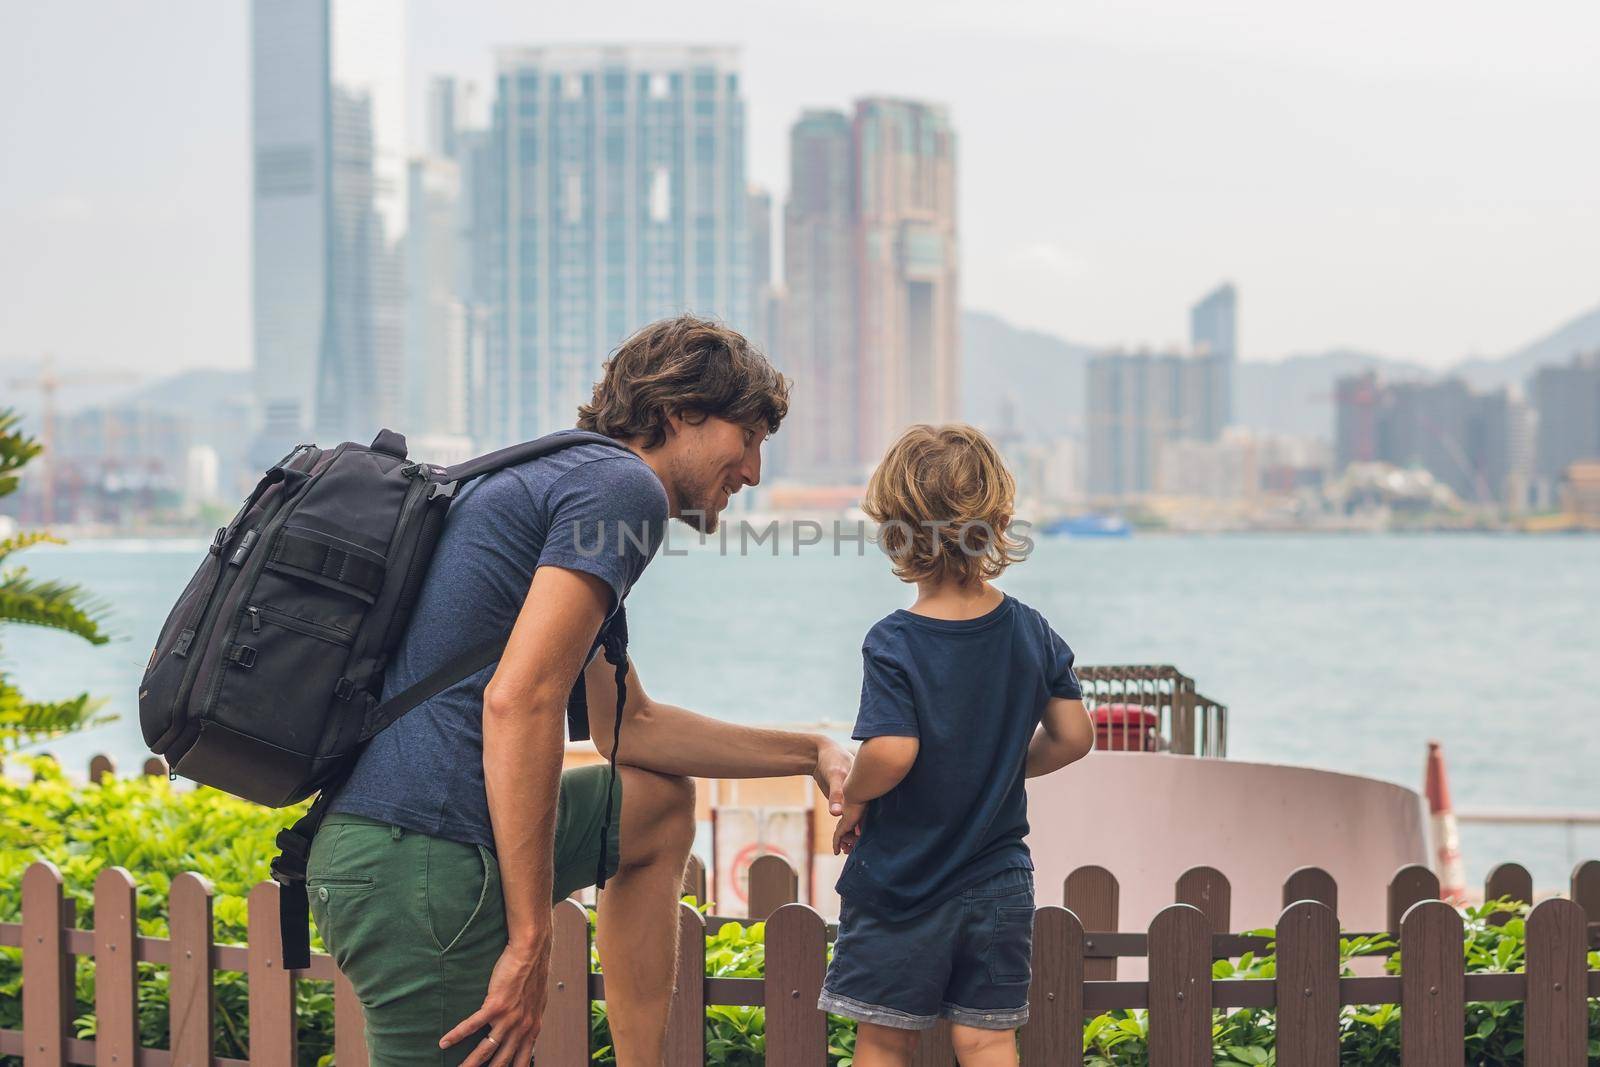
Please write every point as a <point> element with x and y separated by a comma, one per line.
<point>968,960</point>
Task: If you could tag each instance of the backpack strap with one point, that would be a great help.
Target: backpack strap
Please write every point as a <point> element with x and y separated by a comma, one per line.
<point>615,642</point>
<point>460,666</point>
<point>512,455</point>
<point>289,871</point>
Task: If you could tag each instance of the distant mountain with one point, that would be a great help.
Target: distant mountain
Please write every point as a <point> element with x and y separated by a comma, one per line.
<point>1581,334</point>
<point>192,392</point>
<point>79,387</point>
<point>189,392</point>
<point>1041,375</point>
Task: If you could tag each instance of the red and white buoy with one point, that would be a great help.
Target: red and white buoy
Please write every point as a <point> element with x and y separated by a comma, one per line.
<point>1446,835</point>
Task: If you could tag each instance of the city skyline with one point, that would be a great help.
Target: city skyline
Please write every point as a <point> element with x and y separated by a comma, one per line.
<point>177,200</point>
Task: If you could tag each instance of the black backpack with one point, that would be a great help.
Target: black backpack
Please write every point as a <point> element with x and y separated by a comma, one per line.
<point>266,677</point>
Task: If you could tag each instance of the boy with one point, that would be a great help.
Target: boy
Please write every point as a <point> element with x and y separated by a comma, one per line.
<point>963,696</point>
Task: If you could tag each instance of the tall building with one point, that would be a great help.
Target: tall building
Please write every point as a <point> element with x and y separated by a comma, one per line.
<point>438,318</point>
<point>435,392</point>
<point>1138,403</point>
<point>821,437</point>
<point>1567,397</point>
<point>480,278</point>
<point>758,225</point>
<point>622,182</point>
<point>1214,336</point>
<point>1466,440</point>
<point>328,215</point>
<point>1356,400</point>
<point>908,336</point>
<point>446,107</point>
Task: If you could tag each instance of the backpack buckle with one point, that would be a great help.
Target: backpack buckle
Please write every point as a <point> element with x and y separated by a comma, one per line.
<point>444,489</point>
<point>290,865</point>
<point>344,689</point>
<point>243,655</point>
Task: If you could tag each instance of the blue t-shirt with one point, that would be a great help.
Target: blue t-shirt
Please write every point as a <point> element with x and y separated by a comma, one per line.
<point>972,691</point>
<point>587,508</point>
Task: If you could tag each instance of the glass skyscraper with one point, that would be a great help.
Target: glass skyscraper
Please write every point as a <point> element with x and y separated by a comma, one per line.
<point>621,199</point>
<point>1214,335</point>
<point>328,216</point>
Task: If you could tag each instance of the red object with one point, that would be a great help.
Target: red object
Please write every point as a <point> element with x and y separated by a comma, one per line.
<point>1124,728</point>
<point>1437,787</point>
<point>1446,836</point>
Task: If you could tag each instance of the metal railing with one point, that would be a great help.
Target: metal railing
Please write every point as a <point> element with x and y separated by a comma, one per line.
<point>1143,707</point>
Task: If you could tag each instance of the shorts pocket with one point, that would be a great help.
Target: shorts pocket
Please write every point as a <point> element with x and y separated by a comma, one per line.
<point>1010,954</point>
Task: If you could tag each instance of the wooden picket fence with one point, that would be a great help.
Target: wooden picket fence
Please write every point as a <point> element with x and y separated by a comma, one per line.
<point>1076,948</point>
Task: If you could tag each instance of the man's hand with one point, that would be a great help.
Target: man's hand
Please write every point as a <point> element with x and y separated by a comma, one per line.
<point>512,1009</point>
<point>848,832</point>
<point>833,767</point>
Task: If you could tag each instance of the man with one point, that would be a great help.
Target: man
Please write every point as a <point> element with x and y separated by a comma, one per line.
<point>432,877</point>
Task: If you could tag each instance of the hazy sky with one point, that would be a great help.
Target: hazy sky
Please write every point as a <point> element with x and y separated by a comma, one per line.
<point>1417,179</point>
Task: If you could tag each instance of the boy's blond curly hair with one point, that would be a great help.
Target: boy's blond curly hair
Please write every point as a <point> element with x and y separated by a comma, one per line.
<point>943,500</point>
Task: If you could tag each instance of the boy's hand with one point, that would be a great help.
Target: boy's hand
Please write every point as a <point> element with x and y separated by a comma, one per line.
<point>848,831</point>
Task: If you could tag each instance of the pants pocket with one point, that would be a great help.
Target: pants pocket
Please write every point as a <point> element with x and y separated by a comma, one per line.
<point>1011,950</point>
<point>457,886</point>
<point>331,901</point>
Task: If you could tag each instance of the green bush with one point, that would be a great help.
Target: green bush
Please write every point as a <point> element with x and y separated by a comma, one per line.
<point>1369,1036</point>
<point>158,832</point>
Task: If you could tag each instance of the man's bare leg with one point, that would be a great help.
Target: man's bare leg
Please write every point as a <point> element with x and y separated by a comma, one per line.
<point>637,930</point>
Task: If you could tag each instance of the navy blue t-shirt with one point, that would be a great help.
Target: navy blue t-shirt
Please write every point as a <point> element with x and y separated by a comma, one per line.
<point>972,691</point>
<point>587,508</point>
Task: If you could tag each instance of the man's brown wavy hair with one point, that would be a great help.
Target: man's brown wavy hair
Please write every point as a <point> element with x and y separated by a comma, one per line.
<point>943,500</point>
<point>690,367</point>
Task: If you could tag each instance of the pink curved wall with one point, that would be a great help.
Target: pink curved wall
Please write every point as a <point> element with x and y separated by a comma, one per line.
<point>1148,817</point>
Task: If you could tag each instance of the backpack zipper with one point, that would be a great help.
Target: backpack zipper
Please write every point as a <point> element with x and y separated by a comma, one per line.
<point>331,634</point>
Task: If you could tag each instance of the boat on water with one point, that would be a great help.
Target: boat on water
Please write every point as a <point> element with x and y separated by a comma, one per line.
<point>1094,524</point>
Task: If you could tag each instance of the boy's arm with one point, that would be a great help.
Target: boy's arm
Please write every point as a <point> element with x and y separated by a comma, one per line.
<point>880,765</point>
<point>1065,735</point>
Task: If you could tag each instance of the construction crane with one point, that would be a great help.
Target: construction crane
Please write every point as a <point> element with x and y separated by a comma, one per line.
<point>47,383</point>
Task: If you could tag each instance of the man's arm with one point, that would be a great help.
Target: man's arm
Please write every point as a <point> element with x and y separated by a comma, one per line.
<point>1065,735</point>
<point>524,708</point>
<point>672,740</point>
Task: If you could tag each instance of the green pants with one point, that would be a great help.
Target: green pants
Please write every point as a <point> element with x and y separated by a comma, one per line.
<point>417,922</point>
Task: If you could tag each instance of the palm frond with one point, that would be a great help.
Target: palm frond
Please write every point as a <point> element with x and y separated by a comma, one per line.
<point>16,449</point>
<point>24,721</point>
<point>27,539</point>
<point>57,605</point>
